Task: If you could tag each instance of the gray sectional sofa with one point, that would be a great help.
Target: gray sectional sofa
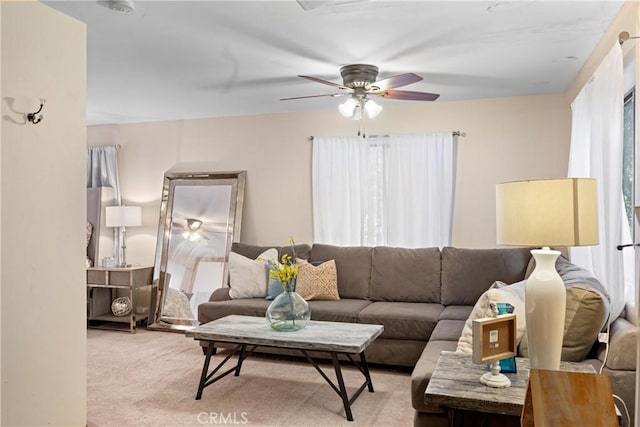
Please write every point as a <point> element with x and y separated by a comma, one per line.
<point>423,298</point>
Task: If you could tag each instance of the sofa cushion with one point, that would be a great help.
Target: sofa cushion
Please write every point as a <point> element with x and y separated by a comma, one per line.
<point>622,346</point>
<point>448,330</point>
<point>395,352</point>
<point>585,315</point>
<point>345,310</point>
<point>467,273</point>
<point>353,265</point>
<point>213,310</point>
<point>456,312</point>
<point>252,251</point>
<point>405,275</point>
<point>422,373</point>
<point>403,320</point>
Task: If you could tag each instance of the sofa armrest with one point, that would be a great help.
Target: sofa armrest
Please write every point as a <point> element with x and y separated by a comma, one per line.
<point>220,294</point>
<point>623,337</point>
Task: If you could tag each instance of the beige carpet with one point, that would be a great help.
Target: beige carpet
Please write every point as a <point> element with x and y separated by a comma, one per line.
<point>151,378</point>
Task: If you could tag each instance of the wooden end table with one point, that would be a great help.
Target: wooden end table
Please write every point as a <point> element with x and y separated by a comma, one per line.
<point>334,338</point>
<point>455,386</point>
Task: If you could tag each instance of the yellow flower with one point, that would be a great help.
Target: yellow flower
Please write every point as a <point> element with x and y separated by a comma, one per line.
<point>285,271</point>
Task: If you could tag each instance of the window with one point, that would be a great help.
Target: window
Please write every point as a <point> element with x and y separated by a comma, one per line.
<point>383,191</point>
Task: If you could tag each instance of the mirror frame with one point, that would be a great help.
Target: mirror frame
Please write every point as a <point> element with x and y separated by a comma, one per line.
<point>171,181</point>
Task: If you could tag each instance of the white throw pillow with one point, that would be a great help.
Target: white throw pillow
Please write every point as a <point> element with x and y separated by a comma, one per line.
<point>248,278</point>
<point>498,292</point>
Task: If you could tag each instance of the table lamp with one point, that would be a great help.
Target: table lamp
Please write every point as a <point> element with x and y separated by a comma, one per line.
<point>123,217</point>
<point>548,212</point>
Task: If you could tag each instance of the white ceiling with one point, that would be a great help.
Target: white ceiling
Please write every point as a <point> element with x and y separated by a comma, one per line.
<point>180,59</point>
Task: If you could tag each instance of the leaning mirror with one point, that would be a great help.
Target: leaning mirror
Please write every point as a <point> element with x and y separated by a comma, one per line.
<point>200,217</point>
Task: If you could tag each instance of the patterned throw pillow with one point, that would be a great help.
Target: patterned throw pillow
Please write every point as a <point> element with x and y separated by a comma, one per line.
<point>319,283</point>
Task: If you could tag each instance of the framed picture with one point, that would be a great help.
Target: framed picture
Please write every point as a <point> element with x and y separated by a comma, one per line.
<point>494,338</point>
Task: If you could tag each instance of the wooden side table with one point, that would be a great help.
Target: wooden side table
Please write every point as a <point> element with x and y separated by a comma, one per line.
<point>455,386</point>
<point>557,398</point>
<point>102,288</point>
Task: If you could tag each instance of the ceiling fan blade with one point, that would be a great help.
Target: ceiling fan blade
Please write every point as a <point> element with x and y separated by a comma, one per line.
<point>326,82</point>
<point>313,96</point>
<point>407,95</point>
<point>397,81</point>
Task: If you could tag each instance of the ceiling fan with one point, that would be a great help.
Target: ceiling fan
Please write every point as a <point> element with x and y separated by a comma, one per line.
<point>194,229</point>
<point>359,80</point>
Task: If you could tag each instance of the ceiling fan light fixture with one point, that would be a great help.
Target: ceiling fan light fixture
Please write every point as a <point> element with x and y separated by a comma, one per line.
<point>357,112</point>
<point>193,224</point>
<point>348,107</point>
<point>372,108</point>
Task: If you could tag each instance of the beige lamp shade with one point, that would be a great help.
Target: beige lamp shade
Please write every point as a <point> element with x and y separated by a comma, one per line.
<point>548,212</point>
<point>123,216</point>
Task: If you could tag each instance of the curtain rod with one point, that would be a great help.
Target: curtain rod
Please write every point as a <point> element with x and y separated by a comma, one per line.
<point>117,146</point>
<point>624,36</point>
<point>454,133</point>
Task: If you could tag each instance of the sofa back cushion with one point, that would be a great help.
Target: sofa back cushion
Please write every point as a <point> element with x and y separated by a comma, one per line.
<point>252,251</point>
<point>353,265</point>
<point>468,273</point>
<point>405,275</point>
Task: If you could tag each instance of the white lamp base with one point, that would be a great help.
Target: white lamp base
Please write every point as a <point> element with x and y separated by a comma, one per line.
<point>494,378</point>
<point>545,305</point>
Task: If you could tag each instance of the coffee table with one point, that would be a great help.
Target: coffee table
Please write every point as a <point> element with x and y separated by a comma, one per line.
<point>455,386</point>
<point>334,338</point>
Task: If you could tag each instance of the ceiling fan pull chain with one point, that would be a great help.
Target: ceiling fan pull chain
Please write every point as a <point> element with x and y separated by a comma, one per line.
<point>364,127</point>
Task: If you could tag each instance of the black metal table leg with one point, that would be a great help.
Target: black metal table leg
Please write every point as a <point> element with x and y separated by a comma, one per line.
<point>343,390</point>
<point>205,369</point>
<point>240,360</point>
<point>365,371</point>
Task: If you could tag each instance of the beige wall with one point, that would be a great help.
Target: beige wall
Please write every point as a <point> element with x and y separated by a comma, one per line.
<point>505,139</point>
<point>43,335</point>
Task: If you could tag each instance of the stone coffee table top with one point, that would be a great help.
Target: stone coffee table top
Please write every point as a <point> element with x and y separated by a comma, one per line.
<point>318,335</point>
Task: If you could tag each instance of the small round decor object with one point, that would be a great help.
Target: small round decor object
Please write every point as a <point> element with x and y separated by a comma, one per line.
<point>121,306</point>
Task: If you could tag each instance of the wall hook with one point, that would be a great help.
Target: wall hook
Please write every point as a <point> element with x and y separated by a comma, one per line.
<point>31,117</point>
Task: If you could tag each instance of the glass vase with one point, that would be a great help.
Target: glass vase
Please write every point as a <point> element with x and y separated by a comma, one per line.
<point>288,312</point>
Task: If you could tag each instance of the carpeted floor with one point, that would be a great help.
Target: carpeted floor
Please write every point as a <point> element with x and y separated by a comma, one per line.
<point>151,378</point>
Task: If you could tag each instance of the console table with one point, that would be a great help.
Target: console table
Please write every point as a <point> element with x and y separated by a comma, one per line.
<point>102,288</point>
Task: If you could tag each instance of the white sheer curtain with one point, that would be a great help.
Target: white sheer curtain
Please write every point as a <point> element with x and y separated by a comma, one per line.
<point>393,191</point>
<point>340,182</point>
<point>102,171</point>
<point>596,152</point>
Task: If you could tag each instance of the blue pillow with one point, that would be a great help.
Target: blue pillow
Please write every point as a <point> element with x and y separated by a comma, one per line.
<point>275,288</point>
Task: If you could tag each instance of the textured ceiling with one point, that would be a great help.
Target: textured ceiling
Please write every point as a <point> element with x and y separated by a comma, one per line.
<point>180,59</point>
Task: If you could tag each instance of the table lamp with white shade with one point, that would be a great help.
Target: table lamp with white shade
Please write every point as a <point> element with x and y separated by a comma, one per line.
<point>123,217</point>
<point>548,212</point>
